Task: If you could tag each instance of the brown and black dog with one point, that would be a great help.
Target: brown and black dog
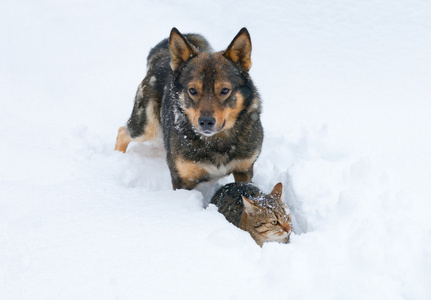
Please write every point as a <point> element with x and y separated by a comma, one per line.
<point>205,106</point>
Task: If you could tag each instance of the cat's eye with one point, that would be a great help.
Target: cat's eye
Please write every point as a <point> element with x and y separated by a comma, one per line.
<point>275,222</point>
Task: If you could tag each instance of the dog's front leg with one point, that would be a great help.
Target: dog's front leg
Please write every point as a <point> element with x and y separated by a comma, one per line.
<point>187,185</point>
<point>186,174</point>
<point>183,183</point>
<point>244,176</point>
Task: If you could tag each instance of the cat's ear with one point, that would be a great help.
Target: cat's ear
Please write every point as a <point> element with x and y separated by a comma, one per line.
<point>250,209</point>
<point>277,191</point>
<point>181,49</point>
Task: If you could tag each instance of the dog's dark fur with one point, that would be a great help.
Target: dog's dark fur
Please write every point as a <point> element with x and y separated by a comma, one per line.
<point>204,104</point>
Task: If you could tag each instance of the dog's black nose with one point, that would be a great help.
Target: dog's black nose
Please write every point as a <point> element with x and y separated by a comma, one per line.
<point>206,122</point>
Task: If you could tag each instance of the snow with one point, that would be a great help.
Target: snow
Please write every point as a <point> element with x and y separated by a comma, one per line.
<point>345,89</point>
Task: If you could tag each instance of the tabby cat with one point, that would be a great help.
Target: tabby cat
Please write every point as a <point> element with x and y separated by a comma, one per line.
<point>265,217</point>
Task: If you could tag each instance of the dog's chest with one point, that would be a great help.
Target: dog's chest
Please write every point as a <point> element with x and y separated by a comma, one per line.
<point>219,170</point>
<point>222,165</point>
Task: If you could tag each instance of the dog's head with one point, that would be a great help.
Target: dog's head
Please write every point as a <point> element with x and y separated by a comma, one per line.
<point>211,85</point>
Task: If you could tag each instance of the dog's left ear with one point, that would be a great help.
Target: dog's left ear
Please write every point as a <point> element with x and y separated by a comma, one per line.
<point>181,49</point>
<point>239,50</point>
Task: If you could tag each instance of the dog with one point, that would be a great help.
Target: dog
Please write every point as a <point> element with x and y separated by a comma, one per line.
<point>204,105</point>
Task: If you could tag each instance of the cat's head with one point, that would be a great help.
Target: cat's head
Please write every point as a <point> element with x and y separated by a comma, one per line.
<point>266,217</point>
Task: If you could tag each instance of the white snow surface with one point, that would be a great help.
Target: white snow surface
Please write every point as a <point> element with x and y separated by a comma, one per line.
<point>346,97</point>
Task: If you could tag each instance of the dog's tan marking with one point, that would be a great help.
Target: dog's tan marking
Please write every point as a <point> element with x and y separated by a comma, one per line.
<point>222,114</point>
<point>219,86</point>
<point>192,115</point>
<point>192,111</point>
<point>197,85</point>
<point>123,139</point>
<point>242,168</point>
<point>243,165</point>
<point>152,128</point>
<point>231,114</point>
<point>236,166</point>
<point>207,106</point>
<point>190,171</point>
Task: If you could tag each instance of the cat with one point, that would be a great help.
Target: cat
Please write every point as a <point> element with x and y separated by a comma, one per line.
<point>265,217</point>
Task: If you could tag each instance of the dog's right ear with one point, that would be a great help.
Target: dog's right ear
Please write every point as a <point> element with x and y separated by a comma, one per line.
<point>181,49</point>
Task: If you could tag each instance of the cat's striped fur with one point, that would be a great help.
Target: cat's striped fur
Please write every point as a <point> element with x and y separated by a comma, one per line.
<point>264,216</point>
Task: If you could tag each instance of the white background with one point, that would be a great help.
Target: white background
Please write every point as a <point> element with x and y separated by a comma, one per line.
<point>346,96</point>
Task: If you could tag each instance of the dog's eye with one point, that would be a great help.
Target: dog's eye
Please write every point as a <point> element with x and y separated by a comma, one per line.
<point>225,91</point>
<point>193,91</point>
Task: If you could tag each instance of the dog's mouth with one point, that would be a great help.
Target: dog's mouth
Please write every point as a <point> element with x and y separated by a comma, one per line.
<point>208,133</point>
